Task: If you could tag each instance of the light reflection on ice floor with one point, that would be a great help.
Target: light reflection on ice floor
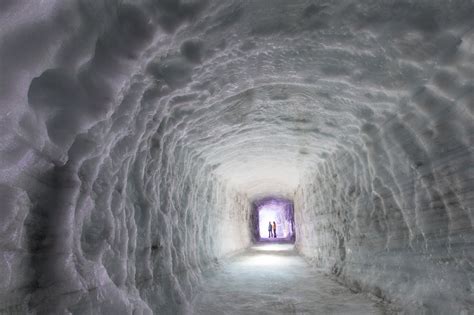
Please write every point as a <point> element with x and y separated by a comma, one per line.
<point>272,247</point>
<point>274,279</point>
<point>264,260</point>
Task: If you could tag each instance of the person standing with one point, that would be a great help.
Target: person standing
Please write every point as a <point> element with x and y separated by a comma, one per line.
<point>270,230</point>
<point>274,229</point>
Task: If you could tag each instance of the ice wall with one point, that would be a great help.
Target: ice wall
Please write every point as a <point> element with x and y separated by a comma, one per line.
<point>105,208</point>
<point>393,213</point>
<point>133,135</point>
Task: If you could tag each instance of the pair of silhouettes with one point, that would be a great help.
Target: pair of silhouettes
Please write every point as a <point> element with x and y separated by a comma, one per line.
<point>272,229</point>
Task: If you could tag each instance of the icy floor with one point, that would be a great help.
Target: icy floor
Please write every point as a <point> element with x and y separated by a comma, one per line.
<point>274,279</point>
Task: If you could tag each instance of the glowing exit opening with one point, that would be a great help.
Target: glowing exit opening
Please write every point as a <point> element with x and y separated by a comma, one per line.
<point>273,220</point>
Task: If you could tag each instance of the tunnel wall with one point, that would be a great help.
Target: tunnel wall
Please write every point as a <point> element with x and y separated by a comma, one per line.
<point>116,115</point>
<point>118,227</point>
<point>104,208</point>
<point>393,214</point>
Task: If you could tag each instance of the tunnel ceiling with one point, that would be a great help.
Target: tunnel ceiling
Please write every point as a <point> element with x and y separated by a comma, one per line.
<point>279,86</point>
<point>261,91</point>
<point>273,88</point>
<point>135,136</point>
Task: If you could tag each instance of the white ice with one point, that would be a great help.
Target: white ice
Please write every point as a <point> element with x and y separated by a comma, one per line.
<point>275,279</point>
<point>135,135</point>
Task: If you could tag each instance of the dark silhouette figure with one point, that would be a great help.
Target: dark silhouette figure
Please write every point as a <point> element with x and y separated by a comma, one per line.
<point>274,229</point>
<point>270,230</point>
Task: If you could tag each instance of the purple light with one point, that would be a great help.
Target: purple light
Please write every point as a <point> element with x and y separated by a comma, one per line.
<point>275,210</point>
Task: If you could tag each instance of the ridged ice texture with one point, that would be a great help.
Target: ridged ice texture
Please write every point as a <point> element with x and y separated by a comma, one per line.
<point>394,215</point>
<point>135,134</point>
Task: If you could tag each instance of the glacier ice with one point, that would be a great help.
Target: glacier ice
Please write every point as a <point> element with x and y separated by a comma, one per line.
<point>135,136</point>
<point>273,279</point>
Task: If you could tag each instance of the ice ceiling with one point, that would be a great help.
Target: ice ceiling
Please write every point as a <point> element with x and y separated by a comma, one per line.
<point>133,132</point>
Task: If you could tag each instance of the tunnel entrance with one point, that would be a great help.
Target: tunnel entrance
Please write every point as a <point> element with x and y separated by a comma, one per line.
<point>271,209</point>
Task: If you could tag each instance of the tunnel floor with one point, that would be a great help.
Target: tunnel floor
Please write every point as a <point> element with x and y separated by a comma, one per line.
<point>274,279</point>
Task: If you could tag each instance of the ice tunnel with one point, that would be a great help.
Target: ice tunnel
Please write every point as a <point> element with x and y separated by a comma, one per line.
<point>271,210</point>
<point>137,138</point>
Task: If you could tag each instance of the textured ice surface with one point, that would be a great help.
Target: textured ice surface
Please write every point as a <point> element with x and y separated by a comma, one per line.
<point>274,279</point>
<point>134,136</point>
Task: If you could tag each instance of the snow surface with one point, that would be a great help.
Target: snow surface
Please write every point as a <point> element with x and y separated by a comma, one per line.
<point>135,135</point>
<point>274,279</point>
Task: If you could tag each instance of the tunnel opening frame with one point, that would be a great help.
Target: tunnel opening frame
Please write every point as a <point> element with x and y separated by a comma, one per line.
<point>284,217</point>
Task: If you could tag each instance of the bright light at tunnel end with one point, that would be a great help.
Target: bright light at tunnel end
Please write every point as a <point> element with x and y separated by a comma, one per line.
<point>274,210</point>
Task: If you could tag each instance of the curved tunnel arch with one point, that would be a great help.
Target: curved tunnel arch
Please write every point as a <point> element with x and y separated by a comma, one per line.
<point>135,134</point>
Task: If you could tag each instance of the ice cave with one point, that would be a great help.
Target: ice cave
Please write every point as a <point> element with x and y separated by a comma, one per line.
<point>268,210</point>
<point>146,145</point>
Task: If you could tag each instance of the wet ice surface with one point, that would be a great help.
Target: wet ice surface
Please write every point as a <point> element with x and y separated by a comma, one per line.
<point>275,279</point>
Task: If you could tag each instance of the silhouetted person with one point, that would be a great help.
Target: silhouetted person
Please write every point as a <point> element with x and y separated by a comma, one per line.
<point>270,230</point>
<point>274,229</point>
